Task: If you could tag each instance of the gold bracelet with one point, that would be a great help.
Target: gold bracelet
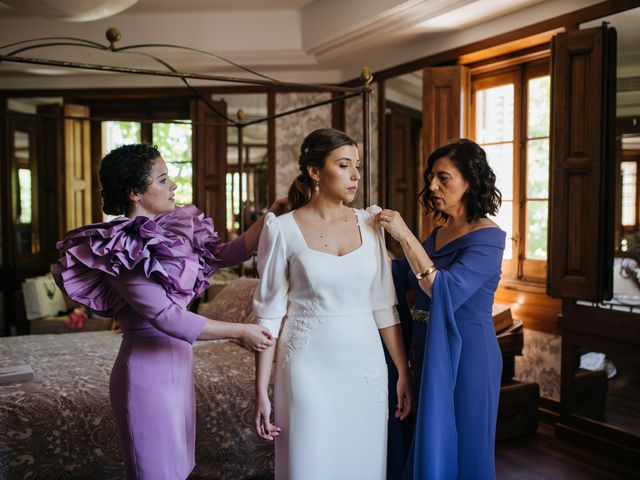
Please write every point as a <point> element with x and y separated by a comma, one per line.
<point>426,273</point>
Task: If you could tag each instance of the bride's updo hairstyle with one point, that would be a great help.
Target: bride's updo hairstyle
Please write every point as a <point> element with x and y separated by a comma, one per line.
<point>313,153</point>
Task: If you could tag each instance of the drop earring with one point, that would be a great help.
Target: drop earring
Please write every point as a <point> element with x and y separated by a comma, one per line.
<point>316,190</point>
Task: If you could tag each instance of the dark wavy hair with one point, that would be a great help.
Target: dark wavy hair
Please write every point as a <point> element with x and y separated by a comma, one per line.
<point>123,171</point>
<point>313,153</point>
<point>482,198</point>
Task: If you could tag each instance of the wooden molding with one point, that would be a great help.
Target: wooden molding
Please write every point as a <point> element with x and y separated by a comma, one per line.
<point>450,57</point>
<point>536,44</point>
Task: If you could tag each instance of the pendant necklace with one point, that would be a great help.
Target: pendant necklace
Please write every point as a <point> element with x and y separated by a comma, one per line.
<point>324,240</point>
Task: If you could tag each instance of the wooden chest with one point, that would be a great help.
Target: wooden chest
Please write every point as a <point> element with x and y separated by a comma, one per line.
<point>511,342</point>
<point>518,409</point>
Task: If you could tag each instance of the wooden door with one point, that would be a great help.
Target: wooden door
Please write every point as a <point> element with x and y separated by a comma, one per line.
<point>210,161</point>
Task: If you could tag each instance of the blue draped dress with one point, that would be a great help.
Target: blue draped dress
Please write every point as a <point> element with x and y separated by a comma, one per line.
<point>457,360</point>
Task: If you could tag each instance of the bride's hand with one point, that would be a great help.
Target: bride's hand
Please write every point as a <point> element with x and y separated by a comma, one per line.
<point>405,397</point>
<point>264,428</point>
<point>393,223</point>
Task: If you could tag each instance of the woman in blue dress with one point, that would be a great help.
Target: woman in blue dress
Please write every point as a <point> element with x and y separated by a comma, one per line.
<point>454,275</point>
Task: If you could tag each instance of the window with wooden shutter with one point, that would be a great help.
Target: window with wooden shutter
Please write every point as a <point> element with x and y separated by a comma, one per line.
<point>509,118</point>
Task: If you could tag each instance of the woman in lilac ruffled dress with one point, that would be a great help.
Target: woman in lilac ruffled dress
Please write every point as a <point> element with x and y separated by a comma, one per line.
<point>143,269</point>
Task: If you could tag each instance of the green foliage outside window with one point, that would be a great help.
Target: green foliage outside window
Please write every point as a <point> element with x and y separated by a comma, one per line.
<point>174,142</point>
<point>24,178</point>
<point>538,118</point>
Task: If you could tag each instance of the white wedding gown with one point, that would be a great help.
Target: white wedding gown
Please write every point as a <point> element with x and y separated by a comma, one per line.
<point>331,375</point>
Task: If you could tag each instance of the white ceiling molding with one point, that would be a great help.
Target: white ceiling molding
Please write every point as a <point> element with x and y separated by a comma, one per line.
<point>424,45</point>
<point>374,29</point>
<point>404,23</point>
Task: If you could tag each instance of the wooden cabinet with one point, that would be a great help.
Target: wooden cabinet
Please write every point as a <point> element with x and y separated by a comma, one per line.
<point>46,191</point>
<point>581,235</point>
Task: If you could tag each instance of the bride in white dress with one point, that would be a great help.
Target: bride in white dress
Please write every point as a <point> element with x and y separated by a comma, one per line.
<point>324,267</point>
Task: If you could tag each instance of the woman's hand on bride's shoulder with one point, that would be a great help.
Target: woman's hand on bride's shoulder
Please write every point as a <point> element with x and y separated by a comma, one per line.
<point>279,206</point>
<point>392,222</point>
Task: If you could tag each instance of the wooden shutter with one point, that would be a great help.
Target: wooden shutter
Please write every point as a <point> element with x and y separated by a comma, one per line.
<point>64,131</point>
<point>77,166</point>
<point>444,98</point>
<point>210,161</point>
<point>581,203</point>
<point>444,93</point>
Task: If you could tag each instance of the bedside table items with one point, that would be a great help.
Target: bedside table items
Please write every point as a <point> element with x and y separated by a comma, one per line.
<point>502,318</point>
<point>76,318</point>
<point>42,297</point>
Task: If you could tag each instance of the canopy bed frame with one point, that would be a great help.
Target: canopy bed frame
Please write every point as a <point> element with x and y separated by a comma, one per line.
<point>71,371</point>
<point>113,35</point>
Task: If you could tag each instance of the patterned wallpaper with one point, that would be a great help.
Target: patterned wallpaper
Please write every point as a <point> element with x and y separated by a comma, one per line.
<point>291,130</point>
<point>540,362</point>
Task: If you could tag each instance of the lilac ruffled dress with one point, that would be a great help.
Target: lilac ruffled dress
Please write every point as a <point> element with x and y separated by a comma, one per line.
<point>144,273</point>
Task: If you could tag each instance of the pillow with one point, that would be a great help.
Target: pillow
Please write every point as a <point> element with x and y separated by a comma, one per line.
<point>233,303</point>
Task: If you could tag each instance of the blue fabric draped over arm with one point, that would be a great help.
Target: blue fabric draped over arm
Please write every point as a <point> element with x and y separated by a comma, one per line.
<point>435,448</point>
<point>434,452</point>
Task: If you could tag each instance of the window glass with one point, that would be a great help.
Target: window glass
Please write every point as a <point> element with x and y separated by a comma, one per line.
<point>174,142</point>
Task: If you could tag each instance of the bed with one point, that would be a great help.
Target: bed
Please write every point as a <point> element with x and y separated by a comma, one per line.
<point>59,425</point>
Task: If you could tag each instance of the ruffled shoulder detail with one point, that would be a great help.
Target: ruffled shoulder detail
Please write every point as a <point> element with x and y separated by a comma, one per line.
<point>176,249</point>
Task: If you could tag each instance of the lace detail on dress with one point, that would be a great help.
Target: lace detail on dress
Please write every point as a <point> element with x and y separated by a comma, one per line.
<point>300,332</point>
<point>375,373</point>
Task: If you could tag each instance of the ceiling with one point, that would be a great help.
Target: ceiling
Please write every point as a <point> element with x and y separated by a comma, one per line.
<point>309,41</point>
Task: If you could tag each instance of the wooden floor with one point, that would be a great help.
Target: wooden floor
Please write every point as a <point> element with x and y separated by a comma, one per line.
<point>541,456</point>
<point>623,397</point>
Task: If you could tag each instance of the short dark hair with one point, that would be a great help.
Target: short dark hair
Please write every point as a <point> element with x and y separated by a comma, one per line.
<point>314,151</point>
<point>483,197</point>
<point>123,171</point>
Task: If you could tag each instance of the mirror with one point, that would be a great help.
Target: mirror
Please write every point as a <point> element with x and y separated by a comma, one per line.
<point>255,176</point>
<point>24,191</point>
<point>606,377</point>
<point>27,185</point>
<point>403,144</point>
<point>23,194</point>
<point>627,244</point>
